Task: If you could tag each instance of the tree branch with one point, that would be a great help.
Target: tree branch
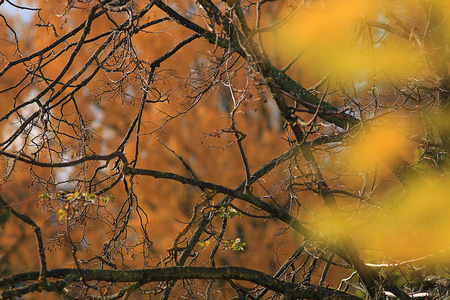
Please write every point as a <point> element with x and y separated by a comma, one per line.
<point>170,273</point>
<point>37,232</point>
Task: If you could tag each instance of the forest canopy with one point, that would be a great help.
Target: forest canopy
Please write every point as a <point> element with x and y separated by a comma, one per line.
<point>238,149</point>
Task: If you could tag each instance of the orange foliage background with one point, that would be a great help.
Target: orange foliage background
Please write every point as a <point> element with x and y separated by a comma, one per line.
<point>199,138</point>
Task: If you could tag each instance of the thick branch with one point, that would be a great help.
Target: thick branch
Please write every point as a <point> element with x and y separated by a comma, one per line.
<point>171,273</point>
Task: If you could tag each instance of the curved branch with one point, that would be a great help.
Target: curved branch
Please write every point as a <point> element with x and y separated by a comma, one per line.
<point>248,197</point>
<point>291,290</point>
<point>37,232</point>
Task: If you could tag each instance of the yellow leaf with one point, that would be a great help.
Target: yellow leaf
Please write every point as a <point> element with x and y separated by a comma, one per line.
<point>332,34</point>
<point>378,142</point>
<point>61,214</point>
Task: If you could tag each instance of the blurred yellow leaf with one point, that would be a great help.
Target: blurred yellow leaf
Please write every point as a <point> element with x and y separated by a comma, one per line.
<point>378,142</point>
<point>337,39</point>
<point>415,225</point>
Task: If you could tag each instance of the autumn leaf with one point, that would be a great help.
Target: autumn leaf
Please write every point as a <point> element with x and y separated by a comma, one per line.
<point>61,214</point>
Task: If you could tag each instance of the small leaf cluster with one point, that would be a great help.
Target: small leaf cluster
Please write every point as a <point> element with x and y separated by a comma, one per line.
<point>231,213</point>
<point>204,245</point>
<point>74,200</point>
<point>235,245</point>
